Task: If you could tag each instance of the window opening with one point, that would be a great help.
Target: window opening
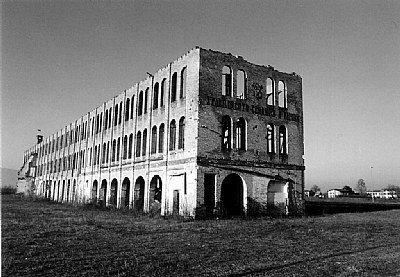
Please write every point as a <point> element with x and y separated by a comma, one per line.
<point>241,80</point>
<point>226,81</point>
<point>172,133</point>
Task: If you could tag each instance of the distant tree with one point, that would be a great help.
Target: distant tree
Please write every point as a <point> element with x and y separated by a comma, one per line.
<point>361,187</point>
<point>315,188</point>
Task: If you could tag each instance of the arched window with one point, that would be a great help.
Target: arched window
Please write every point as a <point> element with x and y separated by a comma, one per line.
<point>114,146</point>
<point>172,135</point>
<point>183,83</point>
<point>98,154</point>
<point>226,81</point>
<point>138,143</point>
<point>118,147</point>
<point>95,155</point>
<point>140,107</point>
<point>154,140</point>
<point>103,157</point>
<point>132,106</point>
<point>241,80</point>
<point>241,134</point>
<point>101,123</point>
<point>270,138</point>
<point>130,146</point>
<point>181,137</point>
<point>173,86</point>
<point>270,92</point>
<point>226,133</point>
<point>144,143</point>
<point>161,138</point>
<point>283,140</point>
<point>105,120</point>
<point>108,151</point>
<point>127,106</point>
<point>282,94</point>
<point>109,118</point>
<point>162,92</point>
<point>125,146</point>
<point>116,115</point>
<point>120,113</point>
<point>146,96</point>
<point>155,97</point>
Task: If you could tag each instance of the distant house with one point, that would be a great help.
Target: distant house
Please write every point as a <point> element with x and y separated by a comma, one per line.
<point>332,193</point>
<point>386,194</point>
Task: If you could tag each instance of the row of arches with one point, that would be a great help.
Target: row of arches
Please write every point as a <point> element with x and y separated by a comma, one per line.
<point>101,153</point>
<point>156,140</point>
<point>273,90</point>
<point>72,136</point>
<point>125,198</point>
<point>60,191</point>
<point>114,115</point>
<point>159,91</point>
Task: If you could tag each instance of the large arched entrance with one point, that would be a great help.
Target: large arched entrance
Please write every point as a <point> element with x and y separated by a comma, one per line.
<point>103,193</point>
<point>232,195</point>
<point>125,192</point>
<point>277,197</point>
<point>139,194</point>
<point>155,194</point>
<point>94,192</point>
<point>114,192</point>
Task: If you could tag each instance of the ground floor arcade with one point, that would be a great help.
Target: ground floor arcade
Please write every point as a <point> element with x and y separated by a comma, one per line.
<point>202,191</point>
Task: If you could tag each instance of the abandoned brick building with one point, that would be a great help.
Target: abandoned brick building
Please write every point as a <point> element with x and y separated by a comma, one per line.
<point>208,134</point>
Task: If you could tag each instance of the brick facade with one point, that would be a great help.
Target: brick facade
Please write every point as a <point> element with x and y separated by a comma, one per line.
<point>201,165</point>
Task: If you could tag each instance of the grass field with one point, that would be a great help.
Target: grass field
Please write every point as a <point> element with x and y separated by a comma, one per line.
<point>47,239</point>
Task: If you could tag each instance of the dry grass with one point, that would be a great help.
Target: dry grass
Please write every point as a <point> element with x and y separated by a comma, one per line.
<point>46,239</point>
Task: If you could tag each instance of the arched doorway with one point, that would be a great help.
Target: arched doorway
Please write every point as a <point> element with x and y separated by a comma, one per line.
<point>53,195</point>
<point>94,192</point>
<point>155,194</point>
<point>277,197</point>
<point>73,195</point>
<point>103,193</point>
<point>232,195</point>
<point>114,192</point>
<point>126,184</point>
<point>57,195</point>
<point>68,190</point>
<point>139,194</point>
<point>62,192</point>
<point>45,188</point>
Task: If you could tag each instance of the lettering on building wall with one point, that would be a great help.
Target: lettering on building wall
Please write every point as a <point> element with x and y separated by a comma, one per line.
<point>239,105</point>
<point>258,89</point>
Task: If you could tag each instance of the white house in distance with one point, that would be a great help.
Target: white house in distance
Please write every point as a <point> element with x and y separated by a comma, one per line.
<point>386,194</point>
<point>332,193</point>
